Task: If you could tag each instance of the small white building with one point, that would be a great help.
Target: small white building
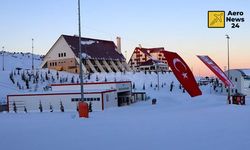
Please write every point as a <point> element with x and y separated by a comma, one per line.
<point>241,81</point>
<point>102,95</point>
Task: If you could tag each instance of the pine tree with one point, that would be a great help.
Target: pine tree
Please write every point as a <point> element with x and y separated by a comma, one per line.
<point>11,76</point>
<point>25,109</point>
<point>61,106</point>
<point>53,79</point>
<point>14,107</point>
<point>90,107</point>
<point>27,84</point>
<point>46,76</point>
<point>23,76</point>
<point>72,79</point>
<point>18,85</point>
<point>40,106</point>
<point>51,108</point>
<point>57,75</point>
<point>36,87</point>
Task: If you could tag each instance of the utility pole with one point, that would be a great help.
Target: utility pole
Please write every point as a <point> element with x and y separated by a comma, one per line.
<point>32,55</point>
<point>3,58</point>
<point>80,50</point>
<point>158,79</point>
<point>228,67</point>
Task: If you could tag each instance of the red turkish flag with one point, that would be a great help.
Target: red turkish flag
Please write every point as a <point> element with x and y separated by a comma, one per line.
<point>216,70</point>
<point>182,73</point>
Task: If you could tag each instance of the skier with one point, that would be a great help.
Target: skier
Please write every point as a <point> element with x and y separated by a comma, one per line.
<point>171,86</point>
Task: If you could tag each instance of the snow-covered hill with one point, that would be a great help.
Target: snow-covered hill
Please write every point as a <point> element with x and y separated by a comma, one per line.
<point>19,78</point>
<point>14,60</point>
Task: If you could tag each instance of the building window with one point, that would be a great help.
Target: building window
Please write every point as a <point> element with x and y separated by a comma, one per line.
<point>98,99</point>
<point>59,55</point>
<point>75,99</point>
<point>64,54</point>
<point>236,79</point>
<point>236,91</point>
<point>55,63</point>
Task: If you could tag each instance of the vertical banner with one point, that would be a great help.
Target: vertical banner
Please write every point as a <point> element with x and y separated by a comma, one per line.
<point>183,73</point>
<point>215,69</point>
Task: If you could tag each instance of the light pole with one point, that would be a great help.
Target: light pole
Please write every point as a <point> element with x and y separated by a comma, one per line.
<point>80,50</point>
<point>158,79</point>
<point>228,67</point>
<point>3,58</point>
<point>32,55</point>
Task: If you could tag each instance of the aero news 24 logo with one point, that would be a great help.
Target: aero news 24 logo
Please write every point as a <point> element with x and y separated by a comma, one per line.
<point>216,19</point>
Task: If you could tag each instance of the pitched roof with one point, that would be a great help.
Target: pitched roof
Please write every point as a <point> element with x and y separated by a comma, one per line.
<point>150,50</point>
<point>94,48</point>
<point>244,72</point>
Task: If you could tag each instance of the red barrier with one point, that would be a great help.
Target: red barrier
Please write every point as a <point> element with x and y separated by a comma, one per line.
<point>83,109</point>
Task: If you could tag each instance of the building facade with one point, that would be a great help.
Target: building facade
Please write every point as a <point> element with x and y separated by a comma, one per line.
<point>101,95</point>
<point>148,59</point>
<point>241,80</point>
<point>98,55</point>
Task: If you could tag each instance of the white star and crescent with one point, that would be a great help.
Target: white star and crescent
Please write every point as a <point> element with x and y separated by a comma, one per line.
<point>183,73</point>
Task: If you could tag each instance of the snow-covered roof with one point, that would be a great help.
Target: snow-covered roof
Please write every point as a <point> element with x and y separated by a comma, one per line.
<point>88,91</point>
<point>94,48</point>
<point>246,71</point>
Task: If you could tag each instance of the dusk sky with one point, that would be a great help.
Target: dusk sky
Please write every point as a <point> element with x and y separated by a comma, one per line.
<point>179,26</point>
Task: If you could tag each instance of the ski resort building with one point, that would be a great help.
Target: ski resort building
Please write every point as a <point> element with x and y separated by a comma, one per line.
<point>98,55</point>
<point>241,81</point>
<point>101,95</point>
<point>148,59</point>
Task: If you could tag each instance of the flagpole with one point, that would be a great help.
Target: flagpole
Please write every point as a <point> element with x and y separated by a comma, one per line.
<point>228,67</point>
<point>3,58</point>
<point>158,80</point>
<point>32,55</point>
<point>80,50</point>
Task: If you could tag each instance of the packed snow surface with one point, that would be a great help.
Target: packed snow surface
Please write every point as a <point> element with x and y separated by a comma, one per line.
<point>176,122</point>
